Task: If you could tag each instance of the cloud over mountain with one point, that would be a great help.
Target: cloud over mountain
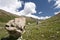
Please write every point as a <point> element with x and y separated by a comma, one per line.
<point>29,8</point>
<point>10,5</point>
<point>57,12</point>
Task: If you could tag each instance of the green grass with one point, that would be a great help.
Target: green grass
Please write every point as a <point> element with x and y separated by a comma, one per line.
<point>36,32</point>
<point>5,17</point>
<point>3,32</point>
<point>47,30</point>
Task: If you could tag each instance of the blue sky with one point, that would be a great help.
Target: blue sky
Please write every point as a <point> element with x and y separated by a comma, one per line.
<point>40,9</point>
<point>45,7</point>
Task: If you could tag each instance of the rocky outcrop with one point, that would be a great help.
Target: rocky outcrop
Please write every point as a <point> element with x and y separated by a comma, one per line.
<point>16,27</point>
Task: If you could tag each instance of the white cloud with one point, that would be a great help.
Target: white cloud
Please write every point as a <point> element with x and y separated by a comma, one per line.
<point>29,8</point>
<point>10,5</point>
<point>40,12</point>
<point>57,12</point>
<point>36,17</point>
<point>49,1</point>
<point>46,17</point>
<point>33,16</point>
<point>57,4</point>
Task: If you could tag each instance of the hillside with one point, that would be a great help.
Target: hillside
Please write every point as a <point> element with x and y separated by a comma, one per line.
<point>5,17</point>
<point>47,30</point>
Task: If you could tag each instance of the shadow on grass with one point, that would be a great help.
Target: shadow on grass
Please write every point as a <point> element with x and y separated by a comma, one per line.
<point>9,38</point>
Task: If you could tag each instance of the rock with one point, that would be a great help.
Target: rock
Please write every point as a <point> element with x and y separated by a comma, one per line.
<point>16,27</point>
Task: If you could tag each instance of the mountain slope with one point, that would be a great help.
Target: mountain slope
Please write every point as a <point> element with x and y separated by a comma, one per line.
<point>5,17</point>
<point>47,30</point>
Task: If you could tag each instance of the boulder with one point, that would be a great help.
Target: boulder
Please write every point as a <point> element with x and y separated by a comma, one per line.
<point>16,27</point>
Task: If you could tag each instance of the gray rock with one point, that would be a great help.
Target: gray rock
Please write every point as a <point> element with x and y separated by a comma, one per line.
<point>16,27</point>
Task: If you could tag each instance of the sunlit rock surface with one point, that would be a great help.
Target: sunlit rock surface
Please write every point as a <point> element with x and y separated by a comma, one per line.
<point>16,27</point>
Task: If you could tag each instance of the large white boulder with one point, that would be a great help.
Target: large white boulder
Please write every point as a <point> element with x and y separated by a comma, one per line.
<point>16,27</point>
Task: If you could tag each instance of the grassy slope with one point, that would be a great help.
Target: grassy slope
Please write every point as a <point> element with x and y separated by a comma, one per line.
<point>46,30</point>
<point>5,17</point>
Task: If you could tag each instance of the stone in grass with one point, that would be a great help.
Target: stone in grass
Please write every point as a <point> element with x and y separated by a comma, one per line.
<point>16,27</point>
